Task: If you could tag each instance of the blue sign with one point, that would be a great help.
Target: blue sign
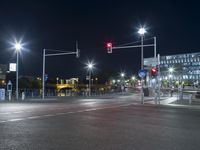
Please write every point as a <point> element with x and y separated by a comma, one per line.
<point>142,73</point>
<point>45,77</point>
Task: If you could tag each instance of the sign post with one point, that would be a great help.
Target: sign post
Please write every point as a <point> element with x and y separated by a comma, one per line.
<point>142,74</point>
<point>9,89</point>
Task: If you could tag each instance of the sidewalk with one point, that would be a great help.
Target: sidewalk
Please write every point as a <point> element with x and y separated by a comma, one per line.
<point>174,102</point>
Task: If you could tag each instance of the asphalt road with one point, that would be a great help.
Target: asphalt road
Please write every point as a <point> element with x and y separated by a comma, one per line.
<point>112,123</point>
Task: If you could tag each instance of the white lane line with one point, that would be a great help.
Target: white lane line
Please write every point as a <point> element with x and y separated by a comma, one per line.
<point>16,112</point>
<point>5,113</point>
<point>17,119</point>
<point>3,121</point>
<point>63,113</point>
<point>33,117</point>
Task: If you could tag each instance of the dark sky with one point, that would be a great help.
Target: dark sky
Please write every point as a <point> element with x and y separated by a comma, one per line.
<point>58,24</point>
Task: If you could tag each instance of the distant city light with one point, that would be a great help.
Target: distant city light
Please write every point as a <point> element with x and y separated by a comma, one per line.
<point>133,78</point>
<point>171,69</point>
<point>122,74</point>
<point>113,81</point>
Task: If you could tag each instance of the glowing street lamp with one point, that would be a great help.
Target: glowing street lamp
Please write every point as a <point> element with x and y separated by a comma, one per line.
<point>122,74</point>
<point>171,70</point>
<point>18,48</point>
<point>90,66</point>
<point>133,78</point>
<point>141,32</point>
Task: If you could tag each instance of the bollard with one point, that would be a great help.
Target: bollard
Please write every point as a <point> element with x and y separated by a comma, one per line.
<point>9,95</point>
<point>23,96</point>
<point>142,97</point>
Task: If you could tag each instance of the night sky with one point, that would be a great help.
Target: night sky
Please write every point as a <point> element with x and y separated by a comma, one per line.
<point>58,24</point>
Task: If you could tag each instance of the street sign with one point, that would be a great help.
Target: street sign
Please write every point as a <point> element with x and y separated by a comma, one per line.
<point>142,73</point>
<point>12,67</point>
<point>2,94</point>
<point>45,77</point>
<point>9,86</point>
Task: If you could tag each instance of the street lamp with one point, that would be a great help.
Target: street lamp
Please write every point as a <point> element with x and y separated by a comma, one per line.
<point>122,81</point>
<point>133,77</point>
<point>171,70</point>
<point>122,75</point>
<point>141,32</point>
<point>90,66</point>
<point>18,47</point>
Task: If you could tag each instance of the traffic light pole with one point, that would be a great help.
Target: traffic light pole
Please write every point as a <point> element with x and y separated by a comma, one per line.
<point>110,48</point>
<point>56,53</point>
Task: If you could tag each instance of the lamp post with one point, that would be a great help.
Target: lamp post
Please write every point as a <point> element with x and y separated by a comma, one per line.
<point>141,32</point>
<point>17,48</point>
<point>122,81</point>
<point>133,78</point>
<point>171,70</point>
<point>90,66</point>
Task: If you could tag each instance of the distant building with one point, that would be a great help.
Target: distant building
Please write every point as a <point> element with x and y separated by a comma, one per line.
<point>185,67</point>
<point>3,69</point>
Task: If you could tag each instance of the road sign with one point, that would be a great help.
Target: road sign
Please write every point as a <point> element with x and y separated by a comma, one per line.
<point>2,94</point>
<point>45,77</point>
<point>9,86</point>
<point>142,73</point>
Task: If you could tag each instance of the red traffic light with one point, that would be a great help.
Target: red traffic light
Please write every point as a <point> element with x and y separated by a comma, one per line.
<point>154,71</point>
<point>109,47</point>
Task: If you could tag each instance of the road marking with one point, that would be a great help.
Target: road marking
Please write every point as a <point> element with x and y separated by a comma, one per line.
<point>63,113</point>
<point>33,117</point>
<point>17,119</point>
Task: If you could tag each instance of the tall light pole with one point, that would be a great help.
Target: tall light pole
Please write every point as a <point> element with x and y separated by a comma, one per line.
<point>171,70</point>
<point>17,48</point>
<point>141,32</point>
<point>90,66</point>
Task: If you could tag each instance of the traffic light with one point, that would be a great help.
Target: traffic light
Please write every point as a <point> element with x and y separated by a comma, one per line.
<point>109,47</point>
<point>154,71</point>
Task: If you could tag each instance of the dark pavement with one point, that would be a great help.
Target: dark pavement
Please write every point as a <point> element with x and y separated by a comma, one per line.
<point>117,123</point>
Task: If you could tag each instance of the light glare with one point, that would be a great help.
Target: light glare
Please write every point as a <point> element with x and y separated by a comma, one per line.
<point>142,31</point>
<point>18,46</point>
<point>171,69</point>
<point>122,74</point>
